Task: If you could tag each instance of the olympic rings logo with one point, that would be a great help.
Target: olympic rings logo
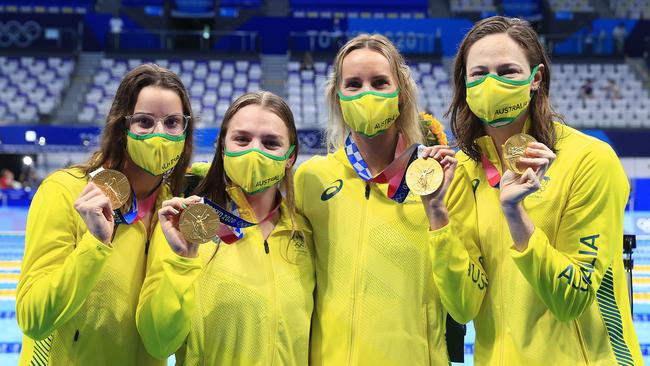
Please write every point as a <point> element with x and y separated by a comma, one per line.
<point>19,34</point>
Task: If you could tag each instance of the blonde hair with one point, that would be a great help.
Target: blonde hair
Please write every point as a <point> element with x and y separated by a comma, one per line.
<point>408,120</point>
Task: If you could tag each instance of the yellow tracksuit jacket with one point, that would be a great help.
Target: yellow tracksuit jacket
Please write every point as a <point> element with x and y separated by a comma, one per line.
<point>77,297</point>
<point>562,301</point>
<point>376,302</point>
<point>250,303</point>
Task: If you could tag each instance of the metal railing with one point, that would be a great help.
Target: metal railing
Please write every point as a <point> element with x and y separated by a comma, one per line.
<point>173,40</point>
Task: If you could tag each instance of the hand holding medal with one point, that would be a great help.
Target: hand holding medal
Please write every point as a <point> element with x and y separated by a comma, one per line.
<point>432,169</point>
<point>514,150</point>
<point>526,161</point>
<point>185,224</point>
<point>115,186</point>
<point>199,223</point>
<point>424,176</point>
<point>100,203</point>
<point>431,173</point>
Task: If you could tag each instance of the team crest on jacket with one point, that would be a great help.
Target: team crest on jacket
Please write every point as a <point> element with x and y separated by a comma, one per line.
<point>543,185</point>
<point>297,245</point>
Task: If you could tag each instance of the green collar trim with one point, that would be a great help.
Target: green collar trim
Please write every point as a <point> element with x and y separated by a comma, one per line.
<point>150,135</point>
<point>361,95</point>
<point>504,80</point>
<point>270,156</point>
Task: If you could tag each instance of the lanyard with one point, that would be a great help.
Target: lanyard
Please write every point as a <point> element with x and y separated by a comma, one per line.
<point>230,229</point>
<point>129,217</point>
<point>394,174</point>
<point>491,171</point>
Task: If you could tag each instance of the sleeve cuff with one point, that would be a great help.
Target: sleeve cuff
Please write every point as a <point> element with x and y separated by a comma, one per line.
<point>438,233</point>
<point>183,264</point>
<point>536,240</point>
<point>89,242</point>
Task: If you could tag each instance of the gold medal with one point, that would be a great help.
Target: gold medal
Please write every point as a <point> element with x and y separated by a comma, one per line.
<point>199,223</point>
<point>424,176</point>
<point>115,186</point>
<point>514,149</point>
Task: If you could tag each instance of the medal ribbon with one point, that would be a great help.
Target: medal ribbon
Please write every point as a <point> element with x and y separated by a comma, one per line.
<point>129,217</point>
<point>394,174</point>
<point>491,171</point>
<point>230,229</point>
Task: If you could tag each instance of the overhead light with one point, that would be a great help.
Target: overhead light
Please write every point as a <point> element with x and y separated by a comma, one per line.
<point>27,160</point>
<point>30,136</point>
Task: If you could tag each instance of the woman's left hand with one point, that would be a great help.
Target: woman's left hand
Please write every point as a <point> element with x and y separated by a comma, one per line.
<point>514,187</point>
<point>538,157</point>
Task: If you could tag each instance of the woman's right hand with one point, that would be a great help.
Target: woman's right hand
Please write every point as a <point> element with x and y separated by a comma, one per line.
<point>94,207</point>
<point>169,215</point>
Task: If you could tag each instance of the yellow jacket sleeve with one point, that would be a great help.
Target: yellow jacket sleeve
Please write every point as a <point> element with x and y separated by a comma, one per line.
<point>567,271</point>
<point>167,298</point>
<point>455,254</point>
<point>61,265</point>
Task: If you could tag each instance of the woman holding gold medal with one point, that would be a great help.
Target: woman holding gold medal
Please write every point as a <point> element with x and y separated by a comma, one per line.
<point>527,239</point>
<point>88,230</point>
<point>246,299</point>
<point>376,303</point>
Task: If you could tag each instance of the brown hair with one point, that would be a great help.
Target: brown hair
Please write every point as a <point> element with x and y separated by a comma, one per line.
<point>408,120</point>
<point>464,124</point>
<point>214,184</point>
<point>112,152</point>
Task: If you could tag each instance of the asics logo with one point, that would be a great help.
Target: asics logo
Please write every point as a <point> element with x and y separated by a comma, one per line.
<point>332,190</point>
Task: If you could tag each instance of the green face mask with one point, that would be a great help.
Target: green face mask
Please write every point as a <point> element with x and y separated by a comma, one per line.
<point>498,101</point>
<point>155,153</point>
<point>255,170</point>
<point>370,113</point>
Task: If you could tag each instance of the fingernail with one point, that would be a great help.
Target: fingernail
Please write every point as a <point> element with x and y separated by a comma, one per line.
<point>183,205</point>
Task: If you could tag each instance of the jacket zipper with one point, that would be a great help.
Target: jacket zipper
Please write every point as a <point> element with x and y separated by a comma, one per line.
<point>274,320</point>
<point>355,295</point>
<point>582,344</point>
<point>502,320</point>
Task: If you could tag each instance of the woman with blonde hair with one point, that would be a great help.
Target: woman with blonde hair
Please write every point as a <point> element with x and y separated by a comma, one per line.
<point>376,303</point>
<point>85,257</point>
<point>248,302</point>
<point>527,239</point>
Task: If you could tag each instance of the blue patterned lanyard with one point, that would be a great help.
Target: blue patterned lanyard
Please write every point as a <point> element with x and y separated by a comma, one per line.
<point>394,174</point>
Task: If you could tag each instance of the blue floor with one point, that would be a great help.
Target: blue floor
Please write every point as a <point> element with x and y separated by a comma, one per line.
<point>12,238</point>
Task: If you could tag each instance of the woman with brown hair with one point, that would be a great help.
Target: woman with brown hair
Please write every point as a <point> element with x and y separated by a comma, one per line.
<point>376,303</point>
<point>249,302</point>
<point>85,256</point>
<point>526,239</point>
